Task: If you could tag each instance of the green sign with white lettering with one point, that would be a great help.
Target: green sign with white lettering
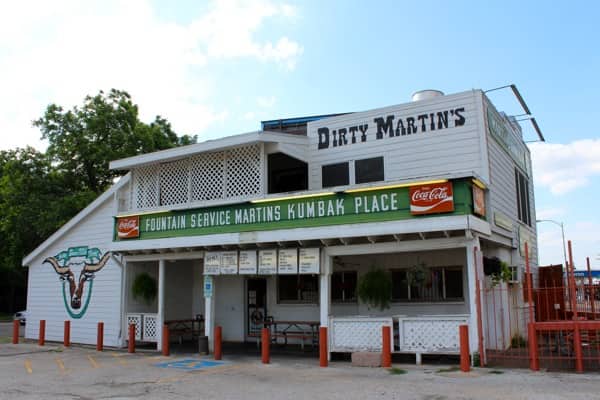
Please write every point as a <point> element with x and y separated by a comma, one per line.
<point>332,209</point>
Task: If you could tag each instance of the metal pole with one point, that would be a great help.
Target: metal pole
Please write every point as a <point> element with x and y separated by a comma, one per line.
<point>562,229</point>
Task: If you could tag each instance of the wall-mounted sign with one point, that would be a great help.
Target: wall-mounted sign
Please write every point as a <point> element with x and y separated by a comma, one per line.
<point>478,201</point>
<point>431,199</point>
<point>208,286</point>
<point>267,262</point>
<point>229,263</point>
<point>288,261</point>
<point>326,210</point>
<point>247,262</point>
<point>502,221</point>
<point>128,227</point>
<point>391,126</point>
<point>309,261</point>
<point>212,263</point>
<point>525,237</point>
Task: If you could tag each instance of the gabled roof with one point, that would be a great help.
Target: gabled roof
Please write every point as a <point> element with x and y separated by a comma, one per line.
<point>75,220</point>
<point>209,145</point>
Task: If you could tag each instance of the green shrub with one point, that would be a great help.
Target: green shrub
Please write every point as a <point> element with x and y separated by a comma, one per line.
<point>144,287</point>
<point>375,288</point>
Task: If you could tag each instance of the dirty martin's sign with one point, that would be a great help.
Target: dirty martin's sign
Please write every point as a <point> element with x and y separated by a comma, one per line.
<point>391,126</point>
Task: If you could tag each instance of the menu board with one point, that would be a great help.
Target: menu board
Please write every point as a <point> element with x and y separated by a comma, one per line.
<point>267,262</point>
<point>229,262</point>
<point>309,262</point>
<point>212,263</point>
<point>247,262</point>
<point>288,261</point>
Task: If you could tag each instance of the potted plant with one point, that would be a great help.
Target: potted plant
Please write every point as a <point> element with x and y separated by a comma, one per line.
<point>375,288</point>
<point>144,287</point>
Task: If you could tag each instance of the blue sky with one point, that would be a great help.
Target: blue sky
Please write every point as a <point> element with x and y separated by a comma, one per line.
<point>219,68</point>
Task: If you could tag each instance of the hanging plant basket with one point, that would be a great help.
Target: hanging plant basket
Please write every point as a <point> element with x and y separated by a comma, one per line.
<point>375,288</point>
<point>144,288</point>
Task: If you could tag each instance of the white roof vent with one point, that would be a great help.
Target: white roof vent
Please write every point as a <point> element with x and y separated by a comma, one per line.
<point>426,94</point>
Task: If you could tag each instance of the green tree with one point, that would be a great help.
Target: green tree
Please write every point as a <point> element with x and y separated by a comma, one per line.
<point>83,140</point>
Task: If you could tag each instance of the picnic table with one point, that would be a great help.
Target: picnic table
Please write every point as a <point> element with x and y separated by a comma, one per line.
<point>183,327</point>
<point>303,330</point>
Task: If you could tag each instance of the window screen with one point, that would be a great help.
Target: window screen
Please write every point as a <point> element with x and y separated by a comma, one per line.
<point>335,174</point>
<point>369,170</point>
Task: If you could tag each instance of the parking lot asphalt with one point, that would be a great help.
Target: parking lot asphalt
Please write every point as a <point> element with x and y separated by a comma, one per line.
<point>28,371</point>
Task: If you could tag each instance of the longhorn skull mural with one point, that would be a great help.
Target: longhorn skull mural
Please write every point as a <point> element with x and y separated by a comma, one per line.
<point>66,264</point>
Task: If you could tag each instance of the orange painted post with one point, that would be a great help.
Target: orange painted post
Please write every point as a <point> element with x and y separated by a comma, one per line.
<point>592,294</point>
<point>265,345</point>
<point>165,340</point>
<point>100,337</point>
<point>15,332</point>
<point>67,334</point>
<point>386,353</point>
<point>42,334</point>
<point>578,350</point>
<point>323,356</point>
<point>571,281</point>
<point>534,359</point>
<point>131,345</point>
<point>218,344</point>
<point>463,334</point>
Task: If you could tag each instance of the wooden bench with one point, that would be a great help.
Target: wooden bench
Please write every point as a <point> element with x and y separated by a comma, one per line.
<point>183,327</point>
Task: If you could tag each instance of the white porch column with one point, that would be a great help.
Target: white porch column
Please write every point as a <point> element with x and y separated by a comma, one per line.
<point>209,313</point>
<point>161,303</point>
<point>472,263</point>
<point>324,281</point>
<point>124,301</point>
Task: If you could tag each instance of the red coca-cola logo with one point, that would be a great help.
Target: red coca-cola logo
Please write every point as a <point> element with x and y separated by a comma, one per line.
<point>128,227</point>
<point>433,198</point>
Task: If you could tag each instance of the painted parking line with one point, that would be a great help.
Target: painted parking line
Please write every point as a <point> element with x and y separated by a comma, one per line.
<point>28,366</point>
<point>120,358</point>
<point>93,361</point>
<point>190,364</point>
<point>61,364</point>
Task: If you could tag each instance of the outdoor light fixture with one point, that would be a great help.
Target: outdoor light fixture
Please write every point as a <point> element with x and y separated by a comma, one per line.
<point>562,229</point>
<point>399,185</point>
<point>521,101</point>
<point>478,183</point>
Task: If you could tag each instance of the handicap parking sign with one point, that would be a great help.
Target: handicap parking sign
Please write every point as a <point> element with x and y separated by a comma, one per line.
<point>189,364</point>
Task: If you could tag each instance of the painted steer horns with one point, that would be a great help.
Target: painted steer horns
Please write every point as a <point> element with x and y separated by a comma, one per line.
<point>87,273</point>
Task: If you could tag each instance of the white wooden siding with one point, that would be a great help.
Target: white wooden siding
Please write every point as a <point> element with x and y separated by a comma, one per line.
<point>45,299</point>
<point>452,150</point>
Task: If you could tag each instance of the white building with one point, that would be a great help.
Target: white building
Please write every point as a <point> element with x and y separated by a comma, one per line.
<point>285,221</point>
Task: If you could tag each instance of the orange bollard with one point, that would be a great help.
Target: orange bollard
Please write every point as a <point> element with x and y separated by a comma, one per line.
<point>165,340</point>
<point>465,362</point>
<point>386,353</point>
<point>323,362</point>
<point>534,360</point>
<point>131,346</point>
<point>218,336</point>
<point>100,337</point>
<point>67,334</point>
<point>266,345</point>
<point>42,334</point>
<point>15,332</point>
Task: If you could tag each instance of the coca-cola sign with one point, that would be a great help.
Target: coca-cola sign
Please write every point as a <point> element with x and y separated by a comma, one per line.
<point>128,227</point>
<point>431,199</point>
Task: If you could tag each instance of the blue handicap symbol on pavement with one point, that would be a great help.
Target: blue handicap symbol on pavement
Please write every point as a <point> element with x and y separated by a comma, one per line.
<point>189,364</point>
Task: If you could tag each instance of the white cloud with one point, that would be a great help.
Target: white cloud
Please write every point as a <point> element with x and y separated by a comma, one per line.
<point>584,237</point>
<point>266,102</point>
<point>565,167</point>
<point>60,51</point>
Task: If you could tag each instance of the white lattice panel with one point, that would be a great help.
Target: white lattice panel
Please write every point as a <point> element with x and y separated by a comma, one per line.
<point>174,182</point>
<point>135,319</point>
<point>150,332</point>
<point>229,174</point>
<point>430,334</point>
<point>357,334</point>
<point>243,174</point>
<point>145,187</point>
<point>207,172</point>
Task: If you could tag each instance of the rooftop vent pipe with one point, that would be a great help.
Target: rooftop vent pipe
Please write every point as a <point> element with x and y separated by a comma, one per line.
<point>426,94</point>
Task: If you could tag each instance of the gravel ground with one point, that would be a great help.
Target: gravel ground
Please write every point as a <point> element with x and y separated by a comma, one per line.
<point>31,372</point>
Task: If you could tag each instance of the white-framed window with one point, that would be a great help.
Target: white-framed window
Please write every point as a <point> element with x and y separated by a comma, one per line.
<point>437,284</point>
